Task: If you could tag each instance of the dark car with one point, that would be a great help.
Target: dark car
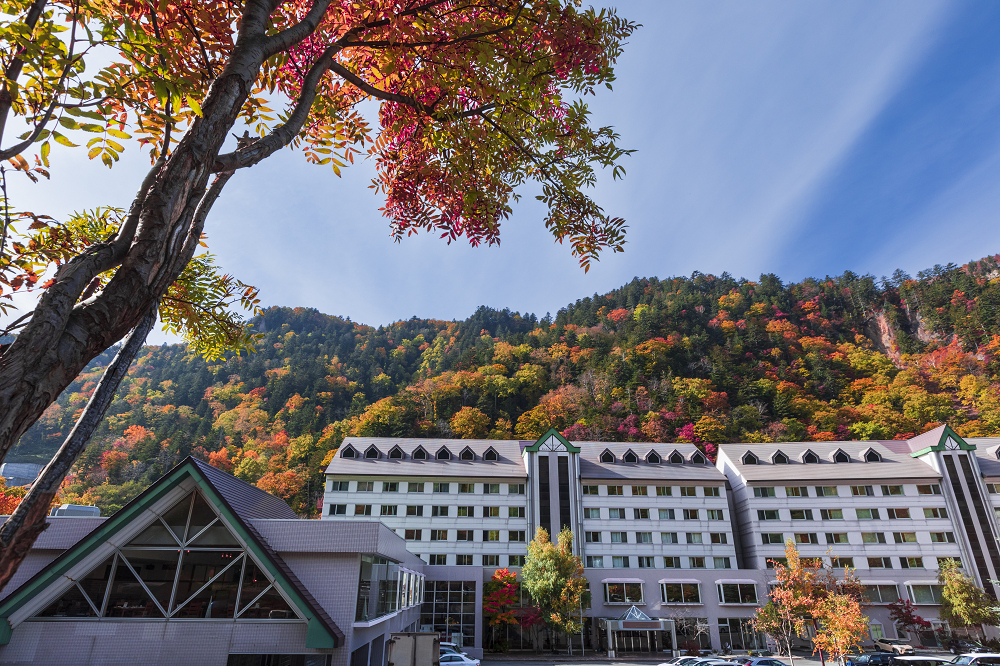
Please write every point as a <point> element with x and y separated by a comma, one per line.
<point>876,659</point>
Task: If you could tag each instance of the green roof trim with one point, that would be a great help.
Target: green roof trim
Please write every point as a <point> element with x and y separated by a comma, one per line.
<point>553,433</point>
<point>942,442</point>
<point>317,634</point>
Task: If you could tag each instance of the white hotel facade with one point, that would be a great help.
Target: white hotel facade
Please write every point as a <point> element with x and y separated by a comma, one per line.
<point>661,528</point>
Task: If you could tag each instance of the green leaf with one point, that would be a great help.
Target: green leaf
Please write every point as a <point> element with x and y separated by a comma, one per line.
<point>69,123</point>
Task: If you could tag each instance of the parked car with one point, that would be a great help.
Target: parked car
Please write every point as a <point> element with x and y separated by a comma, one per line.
<point>982,659</point>
<point>453,659</point>
<point>893,645</point>
<point>919,660</point>
<point>965,646</point>
<point>680,661</point>
<point>875,659</point>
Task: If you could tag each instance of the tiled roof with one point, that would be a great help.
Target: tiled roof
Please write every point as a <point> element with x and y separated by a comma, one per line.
<point>591,466</point>
<point>246,500</point>
<point>986,454</point>
<point>507,465</point>
<point>335,536</point>
<point>894,465</point>
<point>63,532</point>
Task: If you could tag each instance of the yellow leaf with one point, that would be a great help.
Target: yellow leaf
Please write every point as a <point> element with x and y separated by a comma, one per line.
<point>195,106</point>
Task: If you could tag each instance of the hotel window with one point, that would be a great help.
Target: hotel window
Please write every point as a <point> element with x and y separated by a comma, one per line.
<point>671,563</point>
<point>668,537</point>
<point>771,562</point>
<point>593,537</point>
<point>806,537</point>
<point>763,491</point>
<point>911,562</point>
<point>338,509</point>
<point>796,491</point>
<point>722,563</point>
<point>366,486</point>
<point>768,538</point>
<point>490,454</point>
<point>957,560</point>
<point>892,490</point>
<point>942,537</point>
<point>881,594</point>
<point>463,560</point>
<point>465,488</point>
<point>630,457</point>
<point>491,535</point>
<point>362,509</point>
<point>437,511</point>
<point>615,490</point>
<point>491,488</point>
<point>836,537</point>
<point>640,514</point>
<point>640,490</point>
<point>644,537</point>
<point>872,537</point>
<point>935,489</point>
<point>619,537</point>
<point>617,514</point>
<point>862,491</point>
<point>438,560</point>
<point>666,514</point>
<point>831,514</point>
<point>491,512</point>
<point>879,563</point>
<point>464,535</point>
<point>491,560</point>
<point>607,457</point>
<point>518,489</point>
<point>592,513</point>
<point>991,488</point>
<point>718,537</point>
<point>412,487</point>
<point>515,512</point>
<point>515,560</point>
<point>867,514</point>
<point>339,486</point>
<point>645,562</point>
<point>664,491</point>
<point>691,514</point>
<point>516,536</point>
<point>697,562</point>
<point>768,514</point>
<point>904,537</point>
<point>590,490</point>
<point>619,561</point>
<point>737,593</point>
<point>442,487</point>
<point>413,535</point>
<point>680,593</point>
<point>936,513</point>
<point>712,491</point>
<point>389,510</point>
<point>826,491</point>
<point>925,594</point>
<point>801,514</point>
<point>414,510</point>
<point>390,486</point>
<point>595,561</point>
<point>694,537</point>
<point>897,514</point>
<point>689,491</point>
<point>439,535</point>
<point>466,512</point>
<point>623,593</point>
<point>842,562</point>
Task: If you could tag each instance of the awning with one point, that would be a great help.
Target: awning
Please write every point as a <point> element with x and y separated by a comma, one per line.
<point>622,580</point>
<point>678,580</point>
<point>740,581</point>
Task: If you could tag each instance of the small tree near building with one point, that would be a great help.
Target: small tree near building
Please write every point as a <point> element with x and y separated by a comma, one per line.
<point>793,600</point>
<point>904,615</point>
<point>844,625</point>
<point>963,603</point>
<point>499,596</point>
<point>554,578</point>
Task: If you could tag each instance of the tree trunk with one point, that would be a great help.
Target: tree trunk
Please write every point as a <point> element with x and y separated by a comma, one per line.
<point>19,532</point>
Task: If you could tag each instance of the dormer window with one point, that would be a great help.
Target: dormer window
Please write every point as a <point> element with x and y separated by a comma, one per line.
<point>810,458</point>
<point>443,454</point>
<point>698,459</point>
<point>467,454</point>
<point>395,453</point>
<point>490,454</point>
<point>653,458</point>
<point>348,452</point>
<point>750,459</point>
<point>630,457</point>
<point>871,455</point>
<point>676,458</point>
<point>607,457</point>
<point>841,457</point>
<point>372,453</point>
<point>419,453</point>
<point>779,458</point>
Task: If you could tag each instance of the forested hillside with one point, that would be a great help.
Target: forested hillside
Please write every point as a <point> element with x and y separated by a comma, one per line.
<point>704,359</point>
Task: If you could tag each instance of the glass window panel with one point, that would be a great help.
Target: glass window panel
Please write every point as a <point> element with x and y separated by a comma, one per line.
<point>691,593</point>
<point>270,606</point>
<point>154,535</point>
<point>254,582</point>
<point>217,600</point>
<point>95,584</point>
<point>218,535</point>
<point>157,569</point>
<point>72,603</point>
<point>198,567</point>
<point>128,598</point>
<point>176,518</point>
<point>672,592</point>
<point>201,515</point>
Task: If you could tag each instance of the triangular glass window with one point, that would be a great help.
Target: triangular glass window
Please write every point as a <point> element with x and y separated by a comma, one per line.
<point>95,584</point>
<point>73,603</point>
<point>157,570</point>
<point>217,599</point>
<point>216,536</point>
<point>202,516</point>
<point>199,567</point>
<point>254,583</point>
<point>177,518</point>
<point>128,597</point>
<point>156,535</point>
<point>268,606</point>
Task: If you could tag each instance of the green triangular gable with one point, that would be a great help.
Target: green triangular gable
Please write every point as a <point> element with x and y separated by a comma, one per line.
<point>317,634</point>
<point>941,445</point>
<point>553,433</point>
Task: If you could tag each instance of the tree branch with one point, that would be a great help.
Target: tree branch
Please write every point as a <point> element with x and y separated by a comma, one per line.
<point>291,36</point>
<point>14,69</point>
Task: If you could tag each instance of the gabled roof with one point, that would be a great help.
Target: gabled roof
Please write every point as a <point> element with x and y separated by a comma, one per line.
<point>508,465</point>
<point>236,501</point>
<point>894,465</point>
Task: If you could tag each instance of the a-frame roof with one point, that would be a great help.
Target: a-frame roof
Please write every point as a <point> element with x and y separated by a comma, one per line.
<point>237,502</point>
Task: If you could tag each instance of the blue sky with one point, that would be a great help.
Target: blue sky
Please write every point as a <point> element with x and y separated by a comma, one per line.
<point>799,138</point>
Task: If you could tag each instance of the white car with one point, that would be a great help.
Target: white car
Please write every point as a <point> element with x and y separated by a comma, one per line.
<point>453,659</point>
